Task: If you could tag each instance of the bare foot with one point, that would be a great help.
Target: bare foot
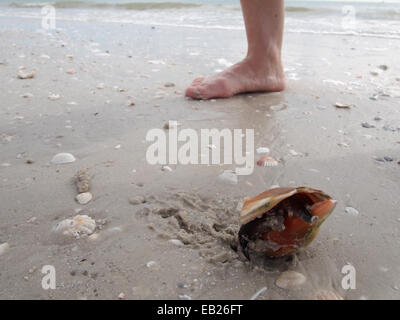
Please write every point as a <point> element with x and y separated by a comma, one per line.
<point>245,76</point>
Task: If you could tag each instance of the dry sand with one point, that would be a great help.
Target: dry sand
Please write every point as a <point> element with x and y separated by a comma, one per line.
<point>111,65</point>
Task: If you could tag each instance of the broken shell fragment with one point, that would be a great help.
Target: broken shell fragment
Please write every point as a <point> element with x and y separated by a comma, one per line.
<point>54,96</point>
<point>290,280</point>
<point>281,220</point>
<point>62,158</point>
<point>343,105</point>
<point>23,75</point>
<point>77,226</point>
<point>267,162</point>
<point>3,248</point>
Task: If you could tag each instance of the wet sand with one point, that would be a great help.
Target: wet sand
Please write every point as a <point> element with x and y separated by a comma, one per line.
<point>116,64</point>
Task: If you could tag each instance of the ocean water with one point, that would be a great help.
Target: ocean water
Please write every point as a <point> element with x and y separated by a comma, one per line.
<point>348,18</point>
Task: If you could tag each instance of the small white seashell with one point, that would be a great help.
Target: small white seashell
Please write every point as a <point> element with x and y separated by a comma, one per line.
<point>176,242</point>
<point>4,247</point>
<point>185,297</point>
<point>44,56</point>
<point>166,168</point>
<point>294,153</point>
<point>100,86</point>
<point>262,150</point>
<point>326,295</point>
<point>84,198</point>
<point>23,75</point>
<point>62,158</point>
<point>121,296</point>
<point>229,177</point>
<point>54,96</point>
<point>290,280</point>
<point>117,147</point>
<point>352,211</point>
<point>151,264</point>
<point>342,105</point>
<point>77,226</point>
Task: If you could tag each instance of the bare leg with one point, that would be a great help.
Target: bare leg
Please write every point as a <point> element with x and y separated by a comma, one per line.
<point>261,70</point>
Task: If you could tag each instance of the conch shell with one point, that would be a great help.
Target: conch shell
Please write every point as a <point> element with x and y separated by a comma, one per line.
<point>279,221</point>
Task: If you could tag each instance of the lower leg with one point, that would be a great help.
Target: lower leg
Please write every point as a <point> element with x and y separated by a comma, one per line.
<point>261,70</point>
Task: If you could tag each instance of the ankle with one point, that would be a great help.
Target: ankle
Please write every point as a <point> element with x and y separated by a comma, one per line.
<point>264,59</point>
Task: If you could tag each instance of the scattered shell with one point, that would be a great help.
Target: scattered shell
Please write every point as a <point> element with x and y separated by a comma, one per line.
<point>166,168</point>
<point>100,86</point>
<point>169,84</point>
<point>342,105</point>
<point>27,95</point>
<point>262,150</point>
<point>326,295</point>
<point>176,242</point>
<point>62,158</point>
<point>137,200</point>
<point>267,162</point>
<point>261,291</point>
<point>118,146</point>
<point>54,96</point>
<point>229,177</point>
<point>31,220</point>
<point>84,198</point>
<point>23,75</point>
<point>82,180</point>
<point>294,153</point>
<point>70,71</point>
<point>352,211</point>
<point>4,247</point>
<point>185,297</point>
<point>121,296</point>
<point>290,280</point>
<point>367,125</point>
<point>77,226</point>
<point>343,144</point>
<point>151,264</point>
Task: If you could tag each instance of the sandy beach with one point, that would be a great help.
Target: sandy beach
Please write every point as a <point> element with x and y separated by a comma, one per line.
<point>98,88</point>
